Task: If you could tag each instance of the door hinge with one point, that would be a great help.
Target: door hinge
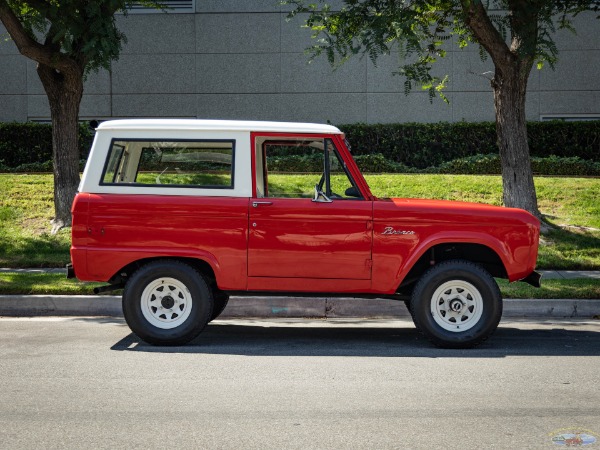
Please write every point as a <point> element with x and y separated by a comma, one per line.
<point>369,225</point>
<point>369,263</point>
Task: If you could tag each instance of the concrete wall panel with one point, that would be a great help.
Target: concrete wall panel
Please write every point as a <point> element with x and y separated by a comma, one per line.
<point>573,71</point>
<point>390,108</point>
<point>13,108</point>
<point>570,102</point>
<point>238,73</point>
<point>479,106</point>
<point>237,6</point>
<point>239,106</point>
<point>37,107</point>
<point>294,37</point>
<point>7,46</point>
<point>96,82</point>
<point>154,74</point>
<point>154,105</point>
<point>381,78</point>
<point>158,33</point>
<point>237,33</point>
<point>473,107</point>
<point>321,108</point>
<point>13,75</point>
<point>298,75</point>
<point>587,36</point>
<point>95,106</point>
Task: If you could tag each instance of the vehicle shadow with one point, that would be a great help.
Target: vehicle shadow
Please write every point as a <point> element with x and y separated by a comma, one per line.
<point>373,341</point>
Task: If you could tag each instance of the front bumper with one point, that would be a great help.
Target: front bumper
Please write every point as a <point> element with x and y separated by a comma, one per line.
<point>534,279</point>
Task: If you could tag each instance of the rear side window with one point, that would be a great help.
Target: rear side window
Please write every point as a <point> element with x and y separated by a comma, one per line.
<point>201,164</point>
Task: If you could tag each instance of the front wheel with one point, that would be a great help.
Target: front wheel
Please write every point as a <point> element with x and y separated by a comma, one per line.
<point>167,303</point>
<point>456,304</point>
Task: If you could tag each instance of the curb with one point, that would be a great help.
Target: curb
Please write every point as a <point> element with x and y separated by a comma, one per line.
<point>286,307</point>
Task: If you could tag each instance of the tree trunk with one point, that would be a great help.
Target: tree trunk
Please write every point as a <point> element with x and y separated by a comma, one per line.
<point>64,91</point>
<point>510,87</point>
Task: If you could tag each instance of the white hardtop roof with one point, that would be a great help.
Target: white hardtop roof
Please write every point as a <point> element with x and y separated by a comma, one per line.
<point>216,125</point>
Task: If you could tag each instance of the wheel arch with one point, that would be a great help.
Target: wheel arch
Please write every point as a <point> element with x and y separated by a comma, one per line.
<point>203,267</point>
<point>436,253</point>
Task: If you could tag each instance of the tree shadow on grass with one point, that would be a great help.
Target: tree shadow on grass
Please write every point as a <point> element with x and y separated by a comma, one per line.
<point>40,251</point>
<point>570,249</point>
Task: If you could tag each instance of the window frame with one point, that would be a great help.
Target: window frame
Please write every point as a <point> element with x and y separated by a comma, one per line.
<point>301,137</point>
<point>114,141</point>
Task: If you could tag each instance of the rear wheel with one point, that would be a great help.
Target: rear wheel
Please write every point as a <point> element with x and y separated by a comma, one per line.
<point>167,303</point>
<point>456,304</point>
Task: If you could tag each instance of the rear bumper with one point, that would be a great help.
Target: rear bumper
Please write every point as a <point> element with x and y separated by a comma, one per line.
<point>534,279</point>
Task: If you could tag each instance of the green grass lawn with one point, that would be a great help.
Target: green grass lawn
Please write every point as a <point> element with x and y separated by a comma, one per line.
<point>26,208</point>
<point>569,203</point>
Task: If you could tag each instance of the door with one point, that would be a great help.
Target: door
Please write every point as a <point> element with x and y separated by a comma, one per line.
<point>294,234</point>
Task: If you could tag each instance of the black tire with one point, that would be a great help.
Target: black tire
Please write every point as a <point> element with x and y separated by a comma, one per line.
<point>172,319</point>
<point>408,306</point>
<point>467,309</point>
<point>220,300</point>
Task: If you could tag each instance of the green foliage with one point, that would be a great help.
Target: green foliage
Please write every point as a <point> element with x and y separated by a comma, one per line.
<point>577,288</point>
<point>296,163</point>
<point>377,163</point>
<point>422,145</point>
<point>27,147</point>
<point>425,145</point>
<point>418,29</point>
<point>82,30</point>
<point>25,210</point>
<point>471,165</point>
<point>558,148</point>
<point>43,283</point>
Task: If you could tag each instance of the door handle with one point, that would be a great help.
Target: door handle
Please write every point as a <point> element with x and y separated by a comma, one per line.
<point>257,204</point>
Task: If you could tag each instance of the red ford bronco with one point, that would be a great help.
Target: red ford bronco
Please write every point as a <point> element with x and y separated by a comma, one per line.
<point>182,214</point>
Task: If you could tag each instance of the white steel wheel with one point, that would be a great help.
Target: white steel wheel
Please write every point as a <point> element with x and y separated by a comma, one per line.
<point>456,306</point>
<point>166,303</point>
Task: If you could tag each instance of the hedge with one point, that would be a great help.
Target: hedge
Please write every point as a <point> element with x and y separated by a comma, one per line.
<point>426,145</point>
<point>557,148</point>
<point>478,165</point>
<point>31,143</point>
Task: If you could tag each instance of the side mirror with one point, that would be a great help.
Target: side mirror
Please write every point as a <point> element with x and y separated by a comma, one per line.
<point>352,192</point>
<point>320,196</point>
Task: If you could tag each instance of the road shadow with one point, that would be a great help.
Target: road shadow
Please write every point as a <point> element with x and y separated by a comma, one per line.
<point>375,341</point>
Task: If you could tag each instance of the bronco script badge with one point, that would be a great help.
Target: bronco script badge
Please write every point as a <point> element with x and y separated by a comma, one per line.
<point>390,230</point>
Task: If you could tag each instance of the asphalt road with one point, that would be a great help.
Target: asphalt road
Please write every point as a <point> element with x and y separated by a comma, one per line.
<point>89,383</point>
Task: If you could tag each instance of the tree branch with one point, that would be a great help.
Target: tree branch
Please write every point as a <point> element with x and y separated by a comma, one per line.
<point>487,35</point>
<point>31,48</point>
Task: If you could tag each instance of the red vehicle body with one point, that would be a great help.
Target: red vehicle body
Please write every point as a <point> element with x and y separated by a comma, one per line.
<point>247,241</point>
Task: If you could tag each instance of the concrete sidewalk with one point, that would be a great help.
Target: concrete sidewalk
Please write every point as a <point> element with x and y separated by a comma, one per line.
<point>322,307</point>
<point>308,307</point>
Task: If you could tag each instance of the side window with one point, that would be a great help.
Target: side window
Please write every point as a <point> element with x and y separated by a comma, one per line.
<point>202,164</point>
<point>292,167</point>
